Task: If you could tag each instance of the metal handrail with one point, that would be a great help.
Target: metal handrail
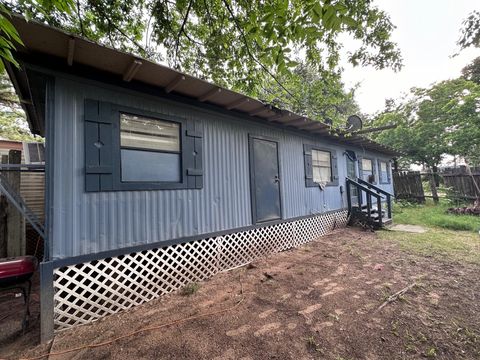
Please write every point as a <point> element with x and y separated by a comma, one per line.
<point>369,193</point>
<point>380,191</point>
<point>376,188</point>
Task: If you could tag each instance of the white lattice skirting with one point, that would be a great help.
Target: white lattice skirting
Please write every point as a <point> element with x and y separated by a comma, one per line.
<point>88,291</point>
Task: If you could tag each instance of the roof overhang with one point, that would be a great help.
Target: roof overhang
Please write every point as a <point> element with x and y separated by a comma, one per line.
<point>74,52</point>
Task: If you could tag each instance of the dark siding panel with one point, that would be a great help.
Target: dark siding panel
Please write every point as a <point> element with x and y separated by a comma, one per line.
<point>360,167</point>
<point>334,168</point>
<point>106,154</point>
<point>307,158</point>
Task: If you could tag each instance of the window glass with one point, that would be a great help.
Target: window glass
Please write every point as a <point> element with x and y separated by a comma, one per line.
<point>367,169</point>
<point>150,149</point>
<point>383,172</point>
<point>322,166</point>
<point>150,134</point>
<point>150,166</point>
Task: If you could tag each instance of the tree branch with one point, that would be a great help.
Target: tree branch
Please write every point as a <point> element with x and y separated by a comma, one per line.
<point>112,24</point>
<point>182,30</point>
<point>80,18</point>
<point>242,34</point>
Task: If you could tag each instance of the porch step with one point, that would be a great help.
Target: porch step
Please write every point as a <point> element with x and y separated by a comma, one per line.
<point>361,213</point>
<point>373,211</point>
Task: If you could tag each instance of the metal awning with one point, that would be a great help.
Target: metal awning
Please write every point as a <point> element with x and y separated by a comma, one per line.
<point>42,40</point>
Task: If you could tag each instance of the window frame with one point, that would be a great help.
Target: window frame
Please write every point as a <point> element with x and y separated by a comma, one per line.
<point>179,152</point>
<point>372,161</point>
<point>380,177</point>
<point>121,185</point>
<point>331,165</point>
<point>308,162</point>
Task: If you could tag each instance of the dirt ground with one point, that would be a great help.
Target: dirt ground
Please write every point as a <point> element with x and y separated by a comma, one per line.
<point>319,301</point>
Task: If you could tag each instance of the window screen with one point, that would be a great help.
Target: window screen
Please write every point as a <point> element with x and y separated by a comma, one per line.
<point>367,169</point>
<point>150,149</point>
<point>322,166</point>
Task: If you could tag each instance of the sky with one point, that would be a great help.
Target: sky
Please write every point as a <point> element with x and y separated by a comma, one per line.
<point>426,33</point>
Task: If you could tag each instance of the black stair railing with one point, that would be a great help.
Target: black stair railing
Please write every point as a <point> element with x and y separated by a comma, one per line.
<point>369,194</point>
<point>380,191</point>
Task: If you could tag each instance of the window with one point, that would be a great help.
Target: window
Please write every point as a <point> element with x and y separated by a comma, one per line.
<point>384,176</point>
<point>34,153</point>
<point>322,166</point>
<point>131,149</point>
<point>150,149</point>
<point>367,170</point>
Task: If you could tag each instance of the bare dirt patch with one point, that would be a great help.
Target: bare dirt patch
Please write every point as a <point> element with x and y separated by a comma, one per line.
<point>319,301</point>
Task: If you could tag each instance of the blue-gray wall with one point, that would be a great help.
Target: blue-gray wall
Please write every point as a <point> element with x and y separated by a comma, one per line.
<point>84,223</point>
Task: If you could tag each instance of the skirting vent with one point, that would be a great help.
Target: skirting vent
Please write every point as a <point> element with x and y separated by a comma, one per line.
<point>88,291</point>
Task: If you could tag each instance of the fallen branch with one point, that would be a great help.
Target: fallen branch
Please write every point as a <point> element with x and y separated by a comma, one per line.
<point>395,296</point>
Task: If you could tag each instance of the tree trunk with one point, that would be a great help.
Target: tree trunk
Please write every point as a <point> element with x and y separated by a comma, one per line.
<point>433,186</point>
<point>436,176</point>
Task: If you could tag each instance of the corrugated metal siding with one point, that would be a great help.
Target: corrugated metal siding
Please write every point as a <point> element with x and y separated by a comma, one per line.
<point>32,190</point>
<point>91,222</point>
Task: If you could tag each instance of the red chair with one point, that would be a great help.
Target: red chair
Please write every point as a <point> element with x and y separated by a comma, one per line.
<point>16,273</point>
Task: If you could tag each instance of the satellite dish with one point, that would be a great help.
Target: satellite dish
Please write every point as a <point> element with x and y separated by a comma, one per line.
<point>354,123</point>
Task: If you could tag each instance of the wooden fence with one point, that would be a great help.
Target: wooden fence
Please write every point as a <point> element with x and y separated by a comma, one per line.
<point>408,185</point>
<point>463,184</point>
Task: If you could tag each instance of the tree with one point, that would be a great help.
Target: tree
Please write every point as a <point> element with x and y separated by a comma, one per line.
<point>442,119</point>
<point>472,71</point>
<point>470,31</point>
<point>234,43</point>
<point>461,108</point>
<point>314,94</point>
<point>419,134</point>
<point>13,125</point>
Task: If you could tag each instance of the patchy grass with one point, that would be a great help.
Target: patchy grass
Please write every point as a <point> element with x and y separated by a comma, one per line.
<point>456,245</point>
<point>431,215</point>
<point>190,289</point>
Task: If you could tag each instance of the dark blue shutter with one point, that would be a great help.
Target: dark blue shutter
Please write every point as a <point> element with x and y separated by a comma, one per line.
<point>98,146</point>
<point>379,166</point>
<point>307,159</point>
<point>193,154</point>
<point>374,172</point>
<point>389,171</point>
<point>360,167</point>
<point>334,162</point>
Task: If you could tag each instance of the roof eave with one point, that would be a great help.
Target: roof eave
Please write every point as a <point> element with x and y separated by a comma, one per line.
<point>74,50</point>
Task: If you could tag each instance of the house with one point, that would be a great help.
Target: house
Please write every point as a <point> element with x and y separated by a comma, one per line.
<point>155,179</point>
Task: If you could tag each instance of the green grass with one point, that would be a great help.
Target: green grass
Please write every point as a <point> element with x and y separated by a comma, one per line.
<point>449,236</point>
<point>454,245</point>
<point>435,216</point>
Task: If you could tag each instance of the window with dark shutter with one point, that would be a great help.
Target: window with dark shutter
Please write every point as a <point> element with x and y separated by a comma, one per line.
<point>130,149</point>
<point>320,166</point>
